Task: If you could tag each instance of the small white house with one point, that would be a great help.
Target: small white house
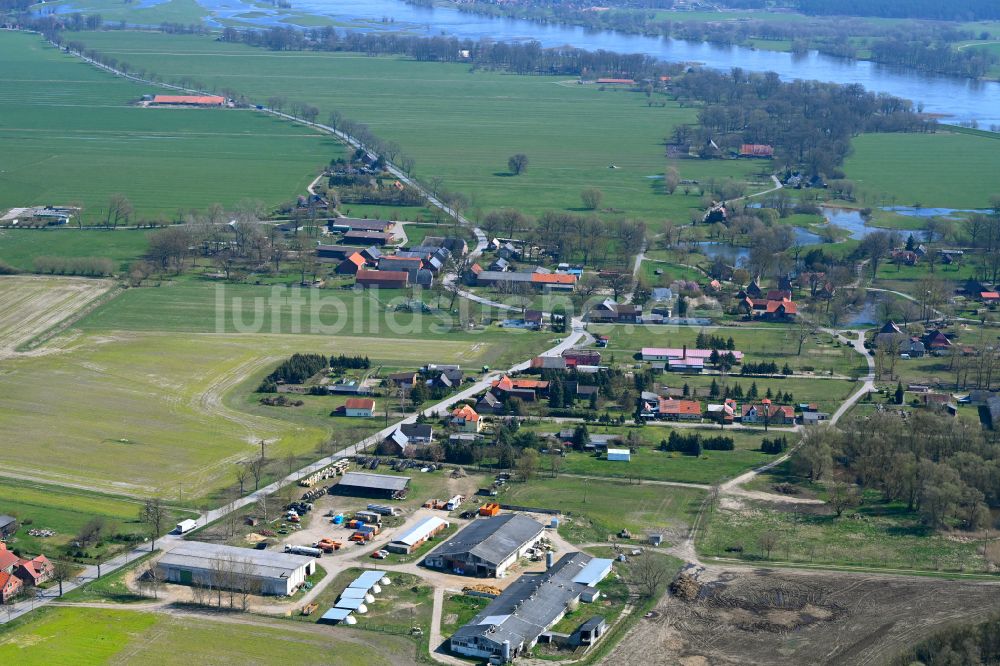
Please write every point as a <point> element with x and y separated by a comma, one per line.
<point>619,455</point>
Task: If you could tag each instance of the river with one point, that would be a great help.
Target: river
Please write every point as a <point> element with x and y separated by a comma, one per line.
<point>957,100</point>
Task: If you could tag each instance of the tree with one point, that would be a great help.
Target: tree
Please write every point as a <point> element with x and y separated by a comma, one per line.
<point>649,574</point>
<point>62,571</point>
<point>527,464</point>
<point>581,437</point>
<point>814,457</point>
<point>517,164</point>
<point>899,393</point>
<point>591,198</point>
<point>120,209</point>
<point>876,246</point>
<point>671,179</point>
<point>154,514</point>
<point>767,541</point>
<point>256,467</point>
<point>138,271</point>
<point>842,496</point>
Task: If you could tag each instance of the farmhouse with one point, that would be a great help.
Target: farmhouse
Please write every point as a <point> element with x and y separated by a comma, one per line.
<point>513,622</point>
<point>362,407</point>
<point>10,587</point>
<point>577,357</point>
<point>362,484</point>
<point>488,547</point>
<point>232,568</point>
<point>8,560</point>
<point>383,279</point>
<point>540,281</point>
<point>188,100</point>
<point>466,419</point>
<point>402,440</point>
<point>417,535</point>
<point>609,311</point>
<point>525,389</point>
<point>660,408</point>
<point>766,412</point>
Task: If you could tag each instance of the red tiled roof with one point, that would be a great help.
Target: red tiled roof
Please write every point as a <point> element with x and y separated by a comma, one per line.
<point>465,412</point>
<point>990,294</point>
<point>359,403</point>
<point>679,406</point>
<point>625,81</point>
<point>356,259</point>
<point>7,558</point>
<point>756,150</point>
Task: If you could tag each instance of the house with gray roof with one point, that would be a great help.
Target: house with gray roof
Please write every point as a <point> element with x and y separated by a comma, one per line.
<point>488,547</point>
<point>513,622</point>
<point>257,571</point>
<point>362,484</point>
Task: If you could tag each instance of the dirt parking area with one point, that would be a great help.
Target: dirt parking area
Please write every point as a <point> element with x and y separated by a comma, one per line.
<point>762,616</point>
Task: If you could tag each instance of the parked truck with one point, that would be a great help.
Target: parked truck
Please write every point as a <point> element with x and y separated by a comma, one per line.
<point>186,526</point>
<point>304,550</point>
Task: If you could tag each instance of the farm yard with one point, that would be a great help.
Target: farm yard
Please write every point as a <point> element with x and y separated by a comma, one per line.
<point>61,118</point>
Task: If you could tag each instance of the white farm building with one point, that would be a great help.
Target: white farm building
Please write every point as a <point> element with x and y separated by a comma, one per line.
<point>228,567</point>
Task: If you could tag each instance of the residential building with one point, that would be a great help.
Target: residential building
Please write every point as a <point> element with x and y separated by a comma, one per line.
<point>489,403</point>
<point>525,389</point>
<point>576,357</point>
<point>35,571</point>
<point>488,547</point>
<point>768,413</point>
<point>338,252</point>
<point>361,407</point>
<point>466,419</point>
<point>359,224</point>
<point>10,587</point>
<point>683,353</point>
<point>611,312</point>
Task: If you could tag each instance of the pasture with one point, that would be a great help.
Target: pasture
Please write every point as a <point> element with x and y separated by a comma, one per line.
<point>90,636</point>
<point>65,510</point>
<point>72,135</point>
<point>572,134</point>
<point>144,412</point>
<point>19,247</point>
<point>596,509</point>
<point>946,169</point>
<point>29,306</point>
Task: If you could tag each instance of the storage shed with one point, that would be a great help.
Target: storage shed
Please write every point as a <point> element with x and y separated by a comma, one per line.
<point>361,484</point>
<point>620,455</point>
<point>262,571</point>
<point>417,535</point>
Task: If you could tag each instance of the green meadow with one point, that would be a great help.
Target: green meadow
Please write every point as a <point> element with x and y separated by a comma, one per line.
<point>572,134</point>
<point>92,636</point>
<point>19,247</point>
<point>946,169</point>
<point>71,134</point>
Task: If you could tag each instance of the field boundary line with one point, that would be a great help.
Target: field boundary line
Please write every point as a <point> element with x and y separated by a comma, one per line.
<point>70,319</point>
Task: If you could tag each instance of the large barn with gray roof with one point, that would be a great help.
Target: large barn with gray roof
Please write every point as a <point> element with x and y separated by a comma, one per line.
<point>487,547</point>
<point>513,622</point>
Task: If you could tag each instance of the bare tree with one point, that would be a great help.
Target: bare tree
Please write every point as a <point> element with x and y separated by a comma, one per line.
<point>767,541</point>
<point>649,574</point>
<point>62,571</point>
<point>842,496</point>
<point>671,179</point>
<point>256,467</point>
<point>517,164</point>
<point>154,514</point>
<point>242,473</point>
<point>120,209</point>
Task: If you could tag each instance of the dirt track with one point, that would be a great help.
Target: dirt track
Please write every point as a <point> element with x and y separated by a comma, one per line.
<point>767,616</point>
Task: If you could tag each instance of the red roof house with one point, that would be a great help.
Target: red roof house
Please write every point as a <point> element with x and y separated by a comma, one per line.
<point>384,279</point>
<point>10,587</point>
<point>350,265</point>
<point>189,100</point>
<point>34,571</point>
<point>756,150</point>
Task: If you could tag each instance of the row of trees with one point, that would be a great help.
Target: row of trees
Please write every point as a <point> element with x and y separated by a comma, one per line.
<point>294,370</point>
<point>89,266</point>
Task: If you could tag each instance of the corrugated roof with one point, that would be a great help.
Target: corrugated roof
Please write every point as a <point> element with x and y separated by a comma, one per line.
<point>266,563</point>
<point>350,604</point>
<point>354,593</point>
<point>337,614</point>
<point>492,540</point>
<point>421,531</point>
<point>376,481</point>
<point>188,99</point>
<point>594,571</point>
<point>367,580</point>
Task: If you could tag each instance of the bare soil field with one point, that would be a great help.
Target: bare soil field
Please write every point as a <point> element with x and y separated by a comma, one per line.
<point>767,616</point>
<point>29,306</point>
